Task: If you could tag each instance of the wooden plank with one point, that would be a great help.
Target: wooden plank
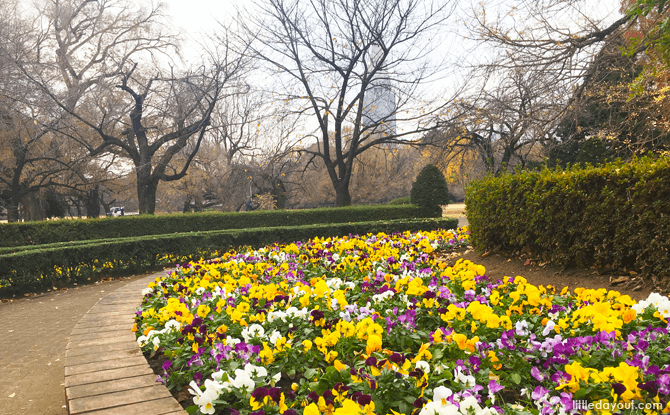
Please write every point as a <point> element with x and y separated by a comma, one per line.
<point>105,371</point>
<point>121,300</point>
<point>110,386</point>
<point>98,329</point>
<point>164,406</point>
<point>105,365</point>
<point>104,315</point>
<point>116,399</point>
<point>77,351</point>
<point>90,358</point>
<point>74,338</point>
<point>101,327</point>
<point>103,309</point>
<point>105,375</point>
<point>106,319</point>
<point>119,338</point>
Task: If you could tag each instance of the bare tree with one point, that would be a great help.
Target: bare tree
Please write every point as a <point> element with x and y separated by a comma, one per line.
<point>350,63</point>
<point>583,73</point>
<point>511,119</point>
<point>108,105</point>
<point>32,156</point>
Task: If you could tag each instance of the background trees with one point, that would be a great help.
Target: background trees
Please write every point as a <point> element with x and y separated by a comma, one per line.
<point>321,107</point>
<point>350,65</point>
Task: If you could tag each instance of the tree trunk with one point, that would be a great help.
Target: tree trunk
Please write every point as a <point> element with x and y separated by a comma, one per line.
<point>147,197</point>
<point>33,208</point>
<point>13,208</point>
<point>279,193</point>
<point>92,202</point>
<point>15,196</point>
<point>146,193</point>
<point>187,205</point>
<point>342,196</point>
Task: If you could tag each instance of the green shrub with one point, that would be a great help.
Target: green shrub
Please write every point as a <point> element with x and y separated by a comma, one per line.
<point>615,216</point>
<point>48,232</point>
<point>430,188</point>
<point>401,201</point>
<point>39,267</point>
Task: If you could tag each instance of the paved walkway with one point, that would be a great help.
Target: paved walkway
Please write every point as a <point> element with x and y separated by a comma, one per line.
<point>34,333</point>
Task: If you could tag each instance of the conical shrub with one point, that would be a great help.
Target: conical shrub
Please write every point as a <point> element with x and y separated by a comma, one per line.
<point>430,188</point>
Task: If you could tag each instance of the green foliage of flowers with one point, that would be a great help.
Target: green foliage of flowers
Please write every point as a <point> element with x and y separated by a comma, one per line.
<point>429,190</point>
<point>380,324</point>
<point>616,215</point>
<point>49,232</point>
<point>27,269</point>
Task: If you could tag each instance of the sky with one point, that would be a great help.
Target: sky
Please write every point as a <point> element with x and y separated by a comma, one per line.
<point>198,18</point>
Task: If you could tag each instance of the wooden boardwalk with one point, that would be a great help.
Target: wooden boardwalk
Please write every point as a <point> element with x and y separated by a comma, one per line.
<point>105,371</point>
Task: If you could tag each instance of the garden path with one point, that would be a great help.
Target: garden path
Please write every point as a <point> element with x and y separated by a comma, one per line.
<point>34,332</point>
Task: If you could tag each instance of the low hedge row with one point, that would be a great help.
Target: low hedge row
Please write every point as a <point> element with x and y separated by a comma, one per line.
<point>616,216</point>
<point>46,232</point>
<point>36,269</point>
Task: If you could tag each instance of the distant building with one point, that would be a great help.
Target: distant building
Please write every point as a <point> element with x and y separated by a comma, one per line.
<point>379,104</point>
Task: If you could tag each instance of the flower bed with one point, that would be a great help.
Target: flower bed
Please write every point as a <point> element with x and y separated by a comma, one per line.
<point>379,324</point>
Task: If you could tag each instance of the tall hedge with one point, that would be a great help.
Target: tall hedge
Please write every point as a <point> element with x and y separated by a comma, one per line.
<point>48,232</point>
<point>615,216</point>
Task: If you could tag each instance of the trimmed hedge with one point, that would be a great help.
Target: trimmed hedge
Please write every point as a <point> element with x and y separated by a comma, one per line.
<point>615,216</point>
<point>47,232</point>
<point>36,269</point>
<point>401,201</point>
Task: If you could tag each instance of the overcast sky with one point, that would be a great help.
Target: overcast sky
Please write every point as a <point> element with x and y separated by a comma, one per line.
<point>196,16</point>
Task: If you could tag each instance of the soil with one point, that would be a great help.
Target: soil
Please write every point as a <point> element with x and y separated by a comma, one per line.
<point>537,273</point>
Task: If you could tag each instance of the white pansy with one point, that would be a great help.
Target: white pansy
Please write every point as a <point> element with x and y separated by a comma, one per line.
<point>441,394</point>
<point>423,366</point>
<point>548,328</point>
<point>204,399</point>
<point>292,311</point>
<point>521,328</point>
<point>142,341</point>
<point>334,283</point>
<point>276,378</point>
<point>218,376</point>
<point>214,385</point>
<point>232,341</point>
<point>255,371</point>
<point>468,403</point>
<point>146,291</point>
<point>243,381</point>
<point>298,291</point>
<point>172,325</point>
<point>435,408</point>
<point>460,377</point>
<point>439,368</point>
<point>276,315</point>
<point>660,302</point>
<point>253,331</point>
<point>274,336</point>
